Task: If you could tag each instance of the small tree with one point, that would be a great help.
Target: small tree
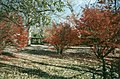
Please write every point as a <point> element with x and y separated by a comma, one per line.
<point>12,32</point>
<point>62,36</point>
<point>100,28</point>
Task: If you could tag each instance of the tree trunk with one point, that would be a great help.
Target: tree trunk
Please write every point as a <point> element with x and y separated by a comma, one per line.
<point>104,68</point>
<point>60,51</point>
<point>111,71</point>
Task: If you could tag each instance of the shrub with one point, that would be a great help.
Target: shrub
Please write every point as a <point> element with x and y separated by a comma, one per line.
<point>12,32</point>
<point>62,36</point>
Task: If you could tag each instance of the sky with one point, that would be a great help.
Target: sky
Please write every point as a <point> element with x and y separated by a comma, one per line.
<point>77,6</point>
<point>61,16</point>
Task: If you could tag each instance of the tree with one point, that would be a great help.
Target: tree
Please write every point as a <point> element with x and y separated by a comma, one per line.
<point>12,33</point>
<point>100,29</point>
<point>32,11</point>
<point>62,36</point>
<point>111,4</point>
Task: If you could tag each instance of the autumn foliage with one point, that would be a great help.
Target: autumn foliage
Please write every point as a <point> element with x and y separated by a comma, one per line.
<point>101,30</point>
<point>12,32</point>
<point>62,36</point>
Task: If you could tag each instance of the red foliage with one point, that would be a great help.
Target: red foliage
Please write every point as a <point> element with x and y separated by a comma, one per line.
<point>12,32</point>
<point>62,36</point>
<point>100,28</point>
<point>101,1</point>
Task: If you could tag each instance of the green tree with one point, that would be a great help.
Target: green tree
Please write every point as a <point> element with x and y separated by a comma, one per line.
<point>33,11</point>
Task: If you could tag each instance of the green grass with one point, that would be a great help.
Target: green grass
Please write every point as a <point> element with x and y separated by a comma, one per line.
<point>44,64</point>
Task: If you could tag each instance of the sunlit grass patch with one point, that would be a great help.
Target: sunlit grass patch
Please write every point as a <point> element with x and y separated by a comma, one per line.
<point>33,66</point>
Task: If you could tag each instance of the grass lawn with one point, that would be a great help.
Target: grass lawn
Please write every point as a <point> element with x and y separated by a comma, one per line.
<point>40,63</point>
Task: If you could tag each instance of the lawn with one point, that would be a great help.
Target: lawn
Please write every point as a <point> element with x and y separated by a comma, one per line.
<point>42,63</point>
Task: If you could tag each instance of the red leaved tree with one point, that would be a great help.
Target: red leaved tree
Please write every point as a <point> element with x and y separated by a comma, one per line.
<point>62,36</point>
<point>12,32</point>
<point>100,28</point>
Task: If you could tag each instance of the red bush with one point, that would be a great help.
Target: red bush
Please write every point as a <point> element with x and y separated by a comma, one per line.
<point>62,36</point>
<point>12,32</point>
<point>101,29</point>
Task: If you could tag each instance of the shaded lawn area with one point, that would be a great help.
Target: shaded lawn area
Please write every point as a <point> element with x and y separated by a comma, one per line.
<point>45,64</point>
<point>80,54</point>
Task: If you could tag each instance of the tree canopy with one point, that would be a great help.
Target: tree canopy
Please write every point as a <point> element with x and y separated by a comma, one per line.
<point>32,11</point>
